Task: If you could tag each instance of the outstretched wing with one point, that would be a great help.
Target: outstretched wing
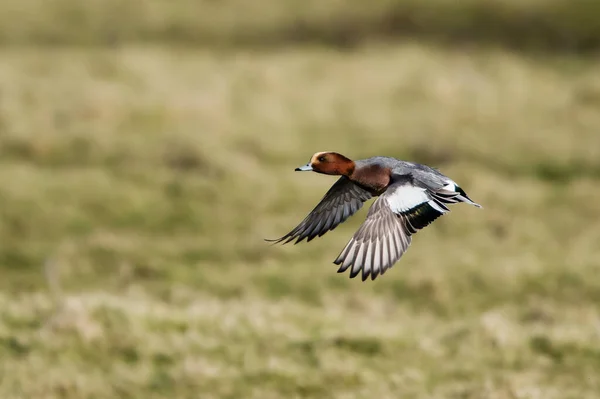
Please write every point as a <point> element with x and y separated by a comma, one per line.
<point>342,200</point>
<point>386,233</point>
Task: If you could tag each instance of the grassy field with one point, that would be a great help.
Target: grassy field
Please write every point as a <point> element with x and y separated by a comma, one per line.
<point>138,184</point>
<point>548,25</point>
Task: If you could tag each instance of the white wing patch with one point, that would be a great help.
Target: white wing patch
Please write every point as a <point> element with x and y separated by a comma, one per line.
<point>406,197</point>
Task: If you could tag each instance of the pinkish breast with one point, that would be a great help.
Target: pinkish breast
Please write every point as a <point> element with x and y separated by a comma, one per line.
<point>375,178</point>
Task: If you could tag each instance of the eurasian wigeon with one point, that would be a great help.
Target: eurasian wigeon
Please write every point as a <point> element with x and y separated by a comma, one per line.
<point>410,197</point>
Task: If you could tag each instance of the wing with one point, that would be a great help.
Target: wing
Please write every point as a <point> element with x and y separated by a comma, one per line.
<point>386,233</point>
<point>342,200</point>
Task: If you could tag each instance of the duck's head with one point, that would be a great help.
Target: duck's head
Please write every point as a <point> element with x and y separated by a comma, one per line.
<point>329,163</point>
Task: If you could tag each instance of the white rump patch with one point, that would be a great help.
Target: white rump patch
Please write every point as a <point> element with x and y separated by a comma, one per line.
<point>406,197</point>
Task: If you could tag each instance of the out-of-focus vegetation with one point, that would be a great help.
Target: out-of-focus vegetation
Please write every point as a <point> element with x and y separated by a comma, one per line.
<point>138,183</point>
<point>567,25</point>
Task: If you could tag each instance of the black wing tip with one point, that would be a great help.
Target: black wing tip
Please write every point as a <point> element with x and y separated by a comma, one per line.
<point>283,240</point>
<point>373,274</point>
<point>273,241</point>
<point>469,200</point>
<point>353,274</point>
<point>341,268</point>
<point>299,236</point>
<point>364,276</point>
<point>286,239</point>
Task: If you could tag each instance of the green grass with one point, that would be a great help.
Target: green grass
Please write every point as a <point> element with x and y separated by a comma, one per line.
<point>138,184</point>
<point>550,25</point>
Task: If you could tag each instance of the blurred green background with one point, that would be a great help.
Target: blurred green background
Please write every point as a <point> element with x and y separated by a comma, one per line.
<point>148,147</point>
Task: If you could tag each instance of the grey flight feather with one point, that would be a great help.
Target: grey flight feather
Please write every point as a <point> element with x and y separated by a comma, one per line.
<point>342,200</point>
<point>386,235</point>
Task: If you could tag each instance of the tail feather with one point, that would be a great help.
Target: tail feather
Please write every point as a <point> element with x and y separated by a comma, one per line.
<point>465,198</point>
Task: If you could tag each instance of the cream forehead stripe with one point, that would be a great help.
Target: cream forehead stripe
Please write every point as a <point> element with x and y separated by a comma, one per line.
<point>317,155</point>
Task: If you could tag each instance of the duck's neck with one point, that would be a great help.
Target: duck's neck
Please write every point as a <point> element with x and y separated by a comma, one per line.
<point>343,166</point>
<point>347,168</point>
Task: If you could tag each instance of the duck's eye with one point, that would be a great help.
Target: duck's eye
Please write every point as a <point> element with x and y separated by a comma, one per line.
<point>322,159</point>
